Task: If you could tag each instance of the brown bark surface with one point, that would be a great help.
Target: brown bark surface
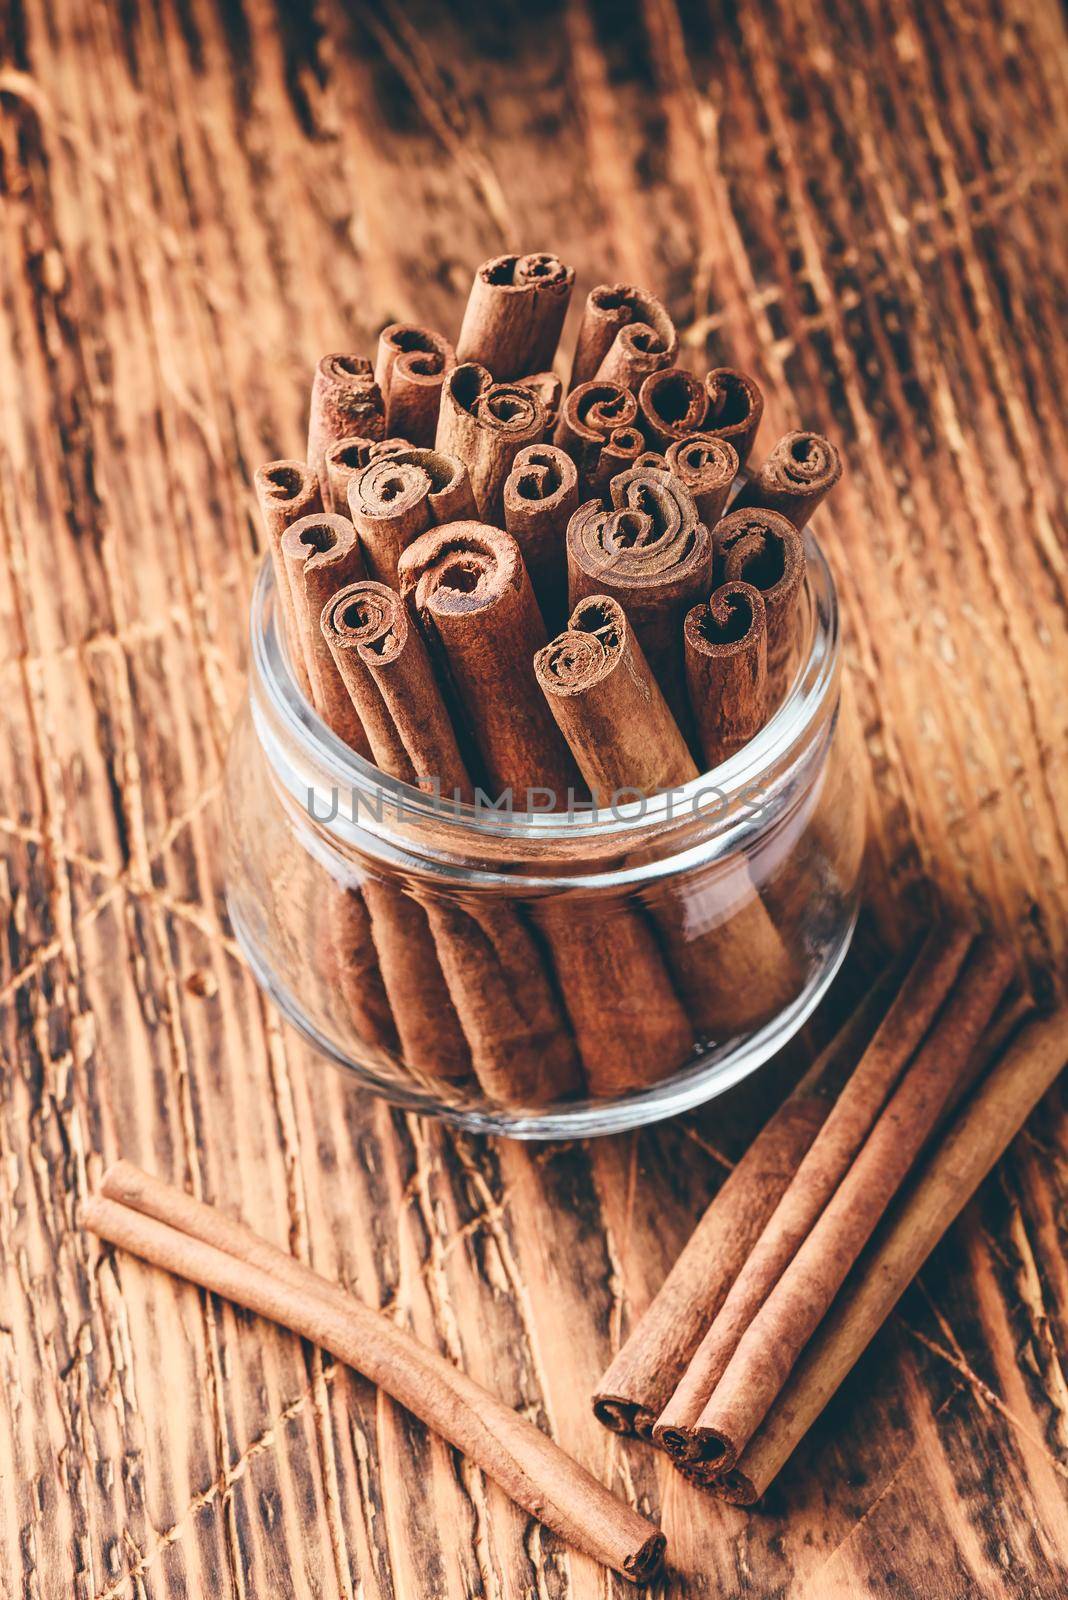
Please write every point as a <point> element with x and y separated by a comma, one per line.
<point>861,207</point>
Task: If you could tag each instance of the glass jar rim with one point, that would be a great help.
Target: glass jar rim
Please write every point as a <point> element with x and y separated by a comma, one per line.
<point>283,713</point>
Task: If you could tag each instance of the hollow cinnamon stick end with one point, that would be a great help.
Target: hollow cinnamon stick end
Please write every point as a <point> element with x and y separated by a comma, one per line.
<point>646,1562</point>
<point>616,1413</point>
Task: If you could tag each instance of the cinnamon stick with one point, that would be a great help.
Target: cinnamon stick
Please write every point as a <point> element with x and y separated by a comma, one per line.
<point>549,388</point>
<point>471,592</point>
<point>764,549</point>
<point>795,478</point>
<point>540,497</point>
<point>625,334</point>
<point>707,466</point>
<point>980,1134</point>
<point>726,649</point>
<point>650,551</point>
<point>345,459</point>
<point>410,368</point>
<point>609,707</point>
<point>597,419</point>
<point>486,424</point>
<point>735,407</point>
<point>198,1243</point>
<point>399,496</point>
<point>819,1174</point>
<point>286,491</point>
<point>644,1373</point>
<point>321,555</point>
<point>514,314</point>
<point>345,400</point>
<point>672,404</point>
<point>777,1335</point>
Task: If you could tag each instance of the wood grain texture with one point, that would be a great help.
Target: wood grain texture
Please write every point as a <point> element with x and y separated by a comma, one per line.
<point>863,205</point>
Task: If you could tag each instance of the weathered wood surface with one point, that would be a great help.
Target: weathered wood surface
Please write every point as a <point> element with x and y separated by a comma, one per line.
<point>864,206</point>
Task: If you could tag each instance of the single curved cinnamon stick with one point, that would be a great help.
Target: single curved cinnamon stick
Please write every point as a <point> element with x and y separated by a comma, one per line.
<point>287,491</point>
<point>410,368</point>
<point>514,314</point>
<point>345,400</point>
<point>596,418</point>
<point>540,496</point>
<point>823,1168</point>
<point>345,459</point>
<point>707,466</point>
<point>795,478</point>
<point>609,707</point>
<point>400,495</point>
<point>625,335</point>
<point>777,1335</point>
<point>672,405</point>
<point>726,648</point>
<point>762,548</point>
<point>486,424</point>
<point>644,1373</point>
<point>473,597</point>
<point>735,407</point>
<point>980,1134</point>
<point>322,554</point>
<point>650,552</point>
<point>197,1242</point>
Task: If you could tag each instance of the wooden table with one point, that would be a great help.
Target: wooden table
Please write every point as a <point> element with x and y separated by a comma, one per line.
<point>861,205</point>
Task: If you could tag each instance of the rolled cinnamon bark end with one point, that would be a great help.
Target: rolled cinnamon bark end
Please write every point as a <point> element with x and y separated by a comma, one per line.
<point>540,497</point>
<point>549,388</point>
<point>652,553</point>
<point>625,335</point>
<point>345,400</point>
<point>397,497</point>
<point>726,647</point>
<point>707,466</point>
<point>596,417</point>
<point>735,407</point>
<point>764,549</point>
<point>409,369</point>
<point>471,592</point>
<point>345,459</point>
<point>382,658</point>
<point>622,450</point>
<point>486,424</point>
<point>799,473</point>
<point>609,707</point>
<point>672,404</point>
<point>775,1339</point>
<point>514,314</point>
<point>322,554</point>
<point>286,492</point>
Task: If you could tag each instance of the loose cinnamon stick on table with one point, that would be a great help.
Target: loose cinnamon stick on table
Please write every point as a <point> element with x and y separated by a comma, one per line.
<point>726,649</point>
<point>795,478</point>
<point>672,405</point>
<point>707,466</point>
<point>625,335</point>
<point>486,424</point>
<point>196,1242</point>
<point>410,368</point>
<point>650,551</point>
<point>345,400</point>
<point>821,1171</point>
<point>598,418</point>
<point>322,554</point>
<point>735,407</point>
<point>778,1333</point>
<point>764,549</point>
<point>644,1373</point>
<point>287,491</point>
<point>514,314</point>
<point>399,496</point>
<point>540,496</point>
<point>980,1134</point>
<point>471,592</point>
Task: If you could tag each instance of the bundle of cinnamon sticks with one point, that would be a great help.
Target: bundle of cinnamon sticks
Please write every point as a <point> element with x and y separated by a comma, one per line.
<point>493,587</point>
<point>829,1214</point>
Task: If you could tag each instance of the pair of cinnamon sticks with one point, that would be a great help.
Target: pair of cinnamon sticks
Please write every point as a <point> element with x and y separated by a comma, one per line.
<point>425,555</point>
<point>809,1243</point>
<point>171,1229</point>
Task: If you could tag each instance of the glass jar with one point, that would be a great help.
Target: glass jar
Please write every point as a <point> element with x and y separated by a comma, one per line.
<point>551,974</point>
